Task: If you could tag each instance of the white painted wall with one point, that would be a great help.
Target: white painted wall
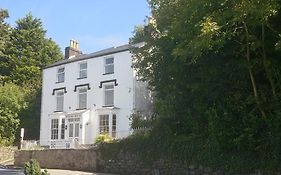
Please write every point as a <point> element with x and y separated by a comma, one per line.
<point>124,97</point>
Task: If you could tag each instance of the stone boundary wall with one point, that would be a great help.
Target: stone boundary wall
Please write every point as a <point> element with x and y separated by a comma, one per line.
<point>71,159</point>
<point>7,153</point>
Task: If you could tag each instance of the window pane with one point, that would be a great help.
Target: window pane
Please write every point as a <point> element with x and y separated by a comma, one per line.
<point>113,134</point>
<point>109,68</point>
<point>104,124</point>
<point>82,101</point>
<point>76,129</point>
<point>61,77</point>
<point>62,133</point>
<point>109,97</point>
<point>71,130</point>
<point>60,70</point>
<point>109,86</point>
<point>109,60</point>
<point>54,128</point>
<point>60,100</point>
<point>82,90</point>
<point>83,73</point>
<point>83,66</point>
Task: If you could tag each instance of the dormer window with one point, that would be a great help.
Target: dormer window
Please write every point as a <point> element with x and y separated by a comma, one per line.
<point>60,75</point>
<point>109,65</point>
<point>83,70</point>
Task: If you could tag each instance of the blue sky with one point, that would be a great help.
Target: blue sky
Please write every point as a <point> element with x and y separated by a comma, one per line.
<point>96,24</point>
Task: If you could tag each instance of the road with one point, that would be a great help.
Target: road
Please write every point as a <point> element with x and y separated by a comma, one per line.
<point>51,171</point>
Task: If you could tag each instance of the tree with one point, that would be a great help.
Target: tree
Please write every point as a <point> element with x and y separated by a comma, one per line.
<point>28,52</point>
<point>4,39</point>
<point>12,102</point>
<point>215,68</point>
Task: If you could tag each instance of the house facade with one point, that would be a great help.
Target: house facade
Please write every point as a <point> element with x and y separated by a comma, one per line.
<point>86,95</point>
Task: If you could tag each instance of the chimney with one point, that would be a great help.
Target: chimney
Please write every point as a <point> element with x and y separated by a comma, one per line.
<point>72,50</point>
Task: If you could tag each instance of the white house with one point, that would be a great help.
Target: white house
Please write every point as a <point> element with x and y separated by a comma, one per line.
<point>85,95</point>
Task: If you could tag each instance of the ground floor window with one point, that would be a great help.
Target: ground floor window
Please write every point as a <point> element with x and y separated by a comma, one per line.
<point>54,129</point>
<point>104,124</point>
<point>62,134</point>
<point>113,132</point>
<point>108,124</point>
<point>74,123</point>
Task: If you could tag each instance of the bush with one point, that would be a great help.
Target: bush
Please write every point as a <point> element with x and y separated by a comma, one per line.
<point>103,138</point>
<point>32,167</point>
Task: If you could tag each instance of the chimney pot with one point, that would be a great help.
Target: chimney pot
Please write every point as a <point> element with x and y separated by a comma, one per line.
<point>72,50</point>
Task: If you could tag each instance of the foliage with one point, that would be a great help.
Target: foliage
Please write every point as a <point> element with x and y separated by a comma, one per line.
<point>140,121</point>
<point>103,138</point>
<point>215,70</point>
<point>25,51</point>
<point>12,102</point>
<point>32,167</point>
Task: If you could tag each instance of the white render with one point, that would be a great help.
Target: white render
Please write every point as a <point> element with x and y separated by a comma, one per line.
<point>128,96</point>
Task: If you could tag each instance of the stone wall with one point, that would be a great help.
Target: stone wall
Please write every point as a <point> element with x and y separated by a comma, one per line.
<point>6,154</point>
<point>126,164</point>
<point>78,159</point>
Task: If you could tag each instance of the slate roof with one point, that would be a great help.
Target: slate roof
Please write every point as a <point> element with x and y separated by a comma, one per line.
<point>104,52</point>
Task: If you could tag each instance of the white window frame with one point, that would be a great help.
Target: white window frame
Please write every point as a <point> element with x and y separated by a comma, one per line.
<point>81,70</point>
<point>114,126</point>
<point>59,95</point>
<point>105,91</point>
<point>62,127</point>
<point>104,124</point>
<point>106,65</point>
<point>74,126</point>
<point>54,129</point>
<point>79,106</point>
<point>60,74</point>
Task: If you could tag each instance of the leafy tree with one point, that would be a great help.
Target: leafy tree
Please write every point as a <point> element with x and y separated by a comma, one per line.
<point>4,39</point>
<point>12,102</point>
<point>215,68</point>
<point>27,51</point>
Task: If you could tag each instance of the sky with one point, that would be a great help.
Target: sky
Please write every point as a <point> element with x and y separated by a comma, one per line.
<point>96,24</point>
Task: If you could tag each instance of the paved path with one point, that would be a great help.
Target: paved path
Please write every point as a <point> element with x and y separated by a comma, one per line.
<point>51,171</point>
<point>67,172</point>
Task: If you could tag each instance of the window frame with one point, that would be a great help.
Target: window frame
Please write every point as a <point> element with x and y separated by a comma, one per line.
<point>114,126</point>
<point>105,92</point>
<point>60,74</point>
<point>54,129</point>
<point>62,131</point>
<point>108,65</point>
<point>57,100</point>
<point>79,95</point>
<point>81,70</point>
<point>104,124</point>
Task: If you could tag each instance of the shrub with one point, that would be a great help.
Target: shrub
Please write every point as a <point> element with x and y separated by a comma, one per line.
<point>103,138</point>
<point>32,167</point>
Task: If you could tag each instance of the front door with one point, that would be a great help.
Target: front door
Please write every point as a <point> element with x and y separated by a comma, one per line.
<point>74,128</point>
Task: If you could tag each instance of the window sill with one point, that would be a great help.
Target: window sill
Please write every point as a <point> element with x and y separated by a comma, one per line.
<point>107,106</point>
<point>58,111</point>
<point>108,73</point>
<point>79,78</point>
<point>80,109</point>
<point>59,82</point>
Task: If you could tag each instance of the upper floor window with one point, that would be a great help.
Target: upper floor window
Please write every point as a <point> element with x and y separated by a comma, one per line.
<point>60,75</point>
<point>59,100</point>
<point>83,70</point>
<point>82,98</point>
<point>109,95</point>
<point>109,65</point>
